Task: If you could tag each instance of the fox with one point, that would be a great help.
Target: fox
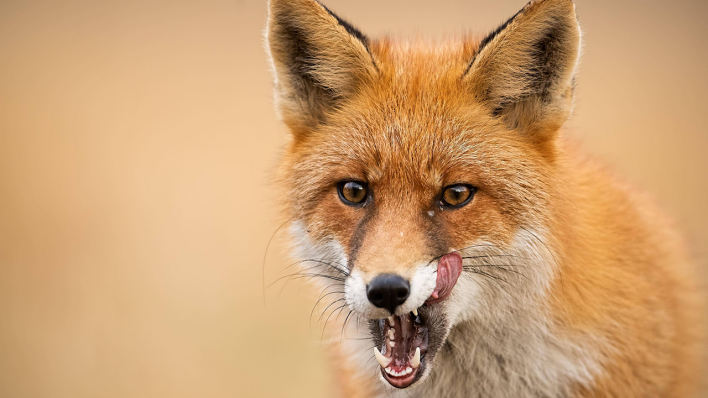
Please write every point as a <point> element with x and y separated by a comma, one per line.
<point>433,189</point>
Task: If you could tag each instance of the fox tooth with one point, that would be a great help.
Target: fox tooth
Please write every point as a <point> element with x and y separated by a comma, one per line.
<point>383,361</point>
<point>415,362</point>
<point>391,321</point>
<point>391,334</point>
<point>415,311</point>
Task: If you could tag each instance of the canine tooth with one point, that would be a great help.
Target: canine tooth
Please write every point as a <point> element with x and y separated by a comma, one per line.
<point>392,344</point>
<point>391,321</point>
<point>415,311</point>
<point>383,361</point>
<point>415,362</point>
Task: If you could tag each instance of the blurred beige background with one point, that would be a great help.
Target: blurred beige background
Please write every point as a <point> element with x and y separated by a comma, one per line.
<point>137,140</point>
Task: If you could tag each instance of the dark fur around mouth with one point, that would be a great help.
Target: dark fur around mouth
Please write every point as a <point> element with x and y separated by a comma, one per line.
<point>430,319</point>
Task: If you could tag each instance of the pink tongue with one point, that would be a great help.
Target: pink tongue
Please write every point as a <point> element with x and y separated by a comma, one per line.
<point>449,269</point>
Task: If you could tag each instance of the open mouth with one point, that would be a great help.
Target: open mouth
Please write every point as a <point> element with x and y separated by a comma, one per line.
<point>402,354</point>
<point>404,338</point>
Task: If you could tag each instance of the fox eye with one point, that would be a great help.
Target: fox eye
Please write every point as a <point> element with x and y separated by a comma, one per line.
<point>352,193</point>
<point>457,195</point>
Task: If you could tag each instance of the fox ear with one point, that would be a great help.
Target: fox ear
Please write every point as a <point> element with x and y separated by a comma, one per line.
<point>524,70</point>
<point>318,60</point>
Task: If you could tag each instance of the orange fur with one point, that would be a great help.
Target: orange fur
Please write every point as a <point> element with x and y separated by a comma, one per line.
<point>410,118</point>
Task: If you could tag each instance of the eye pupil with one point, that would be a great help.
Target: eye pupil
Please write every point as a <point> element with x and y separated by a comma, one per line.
<point>457,195</point>
<point>352,192</point>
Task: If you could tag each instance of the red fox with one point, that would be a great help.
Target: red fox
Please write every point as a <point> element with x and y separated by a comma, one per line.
<point>432,184</point>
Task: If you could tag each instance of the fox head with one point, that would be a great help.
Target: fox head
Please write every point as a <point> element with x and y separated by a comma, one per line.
<point>422,176</point>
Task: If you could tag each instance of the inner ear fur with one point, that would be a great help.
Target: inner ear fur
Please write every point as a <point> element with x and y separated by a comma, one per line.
<point>523,71</point>
<point>318,60</point>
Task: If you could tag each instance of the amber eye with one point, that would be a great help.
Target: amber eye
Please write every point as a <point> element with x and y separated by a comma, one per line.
<point>457,195</point>
<point>352,193</point>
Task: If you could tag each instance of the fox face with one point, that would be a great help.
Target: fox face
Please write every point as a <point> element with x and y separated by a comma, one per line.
<point>421,177</point>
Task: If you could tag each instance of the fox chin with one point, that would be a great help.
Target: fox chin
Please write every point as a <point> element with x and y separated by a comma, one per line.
<point>433,194</point>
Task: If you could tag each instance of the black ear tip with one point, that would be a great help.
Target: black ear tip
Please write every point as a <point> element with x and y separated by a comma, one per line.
<point>347,26</point>
<point>498,30</point>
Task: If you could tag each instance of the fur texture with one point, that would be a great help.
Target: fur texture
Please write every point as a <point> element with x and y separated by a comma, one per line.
<point>574,284</point>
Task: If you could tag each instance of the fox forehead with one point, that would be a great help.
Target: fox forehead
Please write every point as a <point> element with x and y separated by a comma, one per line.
<point>411,151</point>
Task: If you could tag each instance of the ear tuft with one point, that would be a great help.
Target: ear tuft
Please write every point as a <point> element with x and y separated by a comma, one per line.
<point>524,70</point>
<point>319,60</point>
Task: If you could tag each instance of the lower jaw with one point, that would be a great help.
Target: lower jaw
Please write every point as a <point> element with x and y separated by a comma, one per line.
<point>403,381</point>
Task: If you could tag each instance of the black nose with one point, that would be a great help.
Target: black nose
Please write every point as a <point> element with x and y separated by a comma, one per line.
<point>388,291</point>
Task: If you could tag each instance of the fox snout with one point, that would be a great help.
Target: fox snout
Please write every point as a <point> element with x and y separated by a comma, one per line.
<point>389,291</point>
